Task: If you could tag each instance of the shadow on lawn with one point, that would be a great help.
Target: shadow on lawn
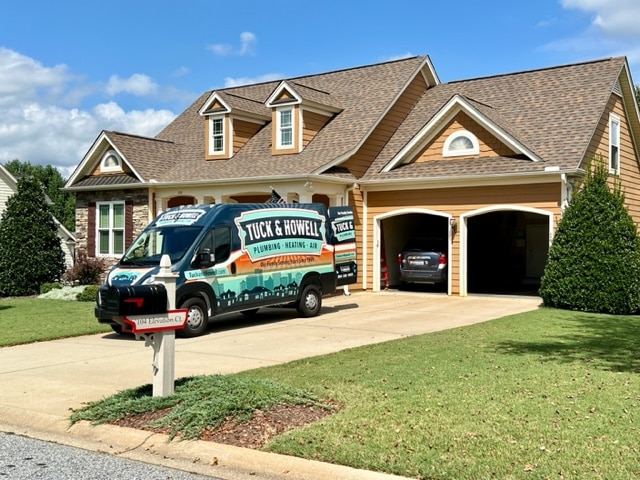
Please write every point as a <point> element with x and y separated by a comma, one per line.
<point>607,342</point>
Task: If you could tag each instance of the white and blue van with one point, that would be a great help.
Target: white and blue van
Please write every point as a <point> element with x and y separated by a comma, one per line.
<point>241,257</point>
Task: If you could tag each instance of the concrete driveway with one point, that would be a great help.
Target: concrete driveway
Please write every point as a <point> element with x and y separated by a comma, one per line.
<point>42,382</point>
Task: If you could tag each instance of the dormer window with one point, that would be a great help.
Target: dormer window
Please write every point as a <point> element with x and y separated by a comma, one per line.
<point>285,127</point>
<point>217,135</point>
<point>460,143</point>
<point>111,162</point>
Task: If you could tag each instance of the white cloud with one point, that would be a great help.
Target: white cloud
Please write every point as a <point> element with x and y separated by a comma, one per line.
<point>247,42</point>
<point>612,31</point>
<point>136,84</point>
<point>615,18</point>
<point>41,122</point>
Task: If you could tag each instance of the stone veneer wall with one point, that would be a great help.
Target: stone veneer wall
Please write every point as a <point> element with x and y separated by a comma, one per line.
<point>140,212</point>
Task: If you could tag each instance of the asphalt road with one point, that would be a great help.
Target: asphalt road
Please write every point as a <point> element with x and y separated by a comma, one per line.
<point>23,458</point>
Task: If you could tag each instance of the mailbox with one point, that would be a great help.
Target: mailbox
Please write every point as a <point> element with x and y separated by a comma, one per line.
<point>133,300</point>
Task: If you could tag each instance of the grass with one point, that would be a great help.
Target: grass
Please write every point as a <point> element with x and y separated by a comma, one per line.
<point>29,319</point>
<point>544,394</point>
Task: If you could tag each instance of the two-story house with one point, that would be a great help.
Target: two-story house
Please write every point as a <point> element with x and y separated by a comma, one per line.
<point>486,164</point>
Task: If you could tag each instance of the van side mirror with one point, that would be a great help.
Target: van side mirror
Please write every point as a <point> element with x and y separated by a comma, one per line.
<point>203,259</point>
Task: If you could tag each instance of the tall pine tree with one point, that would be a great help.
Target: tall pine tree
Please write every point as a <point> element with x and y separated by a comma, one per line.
<point>30,250</point>
<point>594,260</point>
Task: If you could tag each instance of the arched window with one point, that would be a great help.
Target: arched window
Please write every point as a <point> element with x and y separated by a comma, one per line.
<point>460,143</point>
<point>111,162</point>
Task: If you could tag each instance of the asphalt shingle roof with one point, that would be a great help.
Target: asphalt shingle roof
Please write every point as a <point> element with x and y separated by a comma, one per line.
<point>553,112</point>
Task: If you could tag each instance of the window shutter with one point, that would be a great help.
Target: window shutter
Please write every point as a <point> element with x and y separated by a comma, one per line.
<point>91,230</point>
<point>128,223</point>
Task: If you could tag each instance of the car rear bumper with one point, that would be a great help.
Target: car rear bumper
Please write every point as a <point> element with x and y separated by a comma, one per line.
<point>420,276</point>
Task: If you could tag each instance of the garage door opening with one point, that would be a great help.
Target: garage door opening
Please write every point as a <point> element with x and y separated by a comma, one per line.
<point>506,252</point>
<point>396,232</point>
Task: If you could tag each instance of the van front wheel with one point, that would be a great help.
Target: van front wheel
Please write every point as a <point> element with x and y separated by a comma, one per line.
<point>310,301</point>
<point>197,318</point>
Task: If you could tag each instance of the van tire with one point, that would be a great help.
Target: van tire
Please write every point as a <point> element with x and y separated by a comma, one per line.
<point>197,318</point>
<point>310,301</point>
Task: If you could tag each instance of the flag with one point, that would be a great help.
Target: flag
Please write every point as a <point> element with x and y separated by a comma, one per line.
<point>276,198</point>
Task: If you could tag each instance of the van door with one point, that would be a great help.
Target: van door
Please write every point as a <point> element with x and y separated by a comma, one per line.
<point>343,239</point>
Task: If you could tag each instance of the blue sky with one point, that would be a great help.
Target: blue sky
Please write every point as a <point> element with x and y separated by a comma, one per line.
<point>70,69</point>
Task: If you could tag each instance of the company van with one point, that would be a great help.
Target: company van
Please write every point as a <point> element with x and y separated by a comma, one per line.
<point>241,257</point>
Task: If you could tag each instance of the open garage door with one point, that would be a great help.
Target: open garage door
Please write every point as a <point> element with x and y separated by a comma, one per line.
<point>506,252</point>
<point>396,232</point>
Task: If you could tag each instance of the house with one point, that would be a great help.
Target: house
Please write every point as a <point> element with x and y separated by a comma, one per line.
<point>486,163</point>
<point>8,187</point>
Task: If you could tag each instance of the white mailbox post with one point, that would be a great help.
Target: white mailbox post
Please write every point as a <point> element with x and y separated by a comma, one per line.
<point>159,332</point>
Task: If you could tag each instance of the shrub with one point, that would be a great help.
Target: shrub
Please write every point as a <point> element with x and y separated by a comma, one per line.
<point>48,286</point>
<point>86,270</point>
<point>594,260</point>
<point>88,294</point>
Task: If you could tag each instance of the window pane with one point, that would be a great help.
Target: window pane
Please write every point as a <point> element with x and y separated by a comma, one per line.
<point>285,118</point>
<point>286,137</point>
<point>118,216</point>
<point>217,126</point>
<point>461,143</point>
<point>103,214</point>
<point>103,242</point>
<point>118,242</point>
<point>218,144</point>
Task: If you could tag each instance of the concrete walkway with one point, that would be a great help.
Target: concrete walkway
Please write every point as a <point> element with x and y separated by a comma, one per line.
<point>41,383</point>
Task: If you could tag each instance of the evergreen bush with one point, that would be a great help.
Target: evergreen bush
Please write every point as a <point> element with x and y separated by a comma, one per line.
<point>30,249</point>
<point>594,260</point>
<point>88,294</point>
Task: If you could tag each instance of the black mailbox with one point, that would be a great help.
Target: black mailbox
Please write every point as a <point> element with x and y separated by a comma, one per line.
<point>134,300</point>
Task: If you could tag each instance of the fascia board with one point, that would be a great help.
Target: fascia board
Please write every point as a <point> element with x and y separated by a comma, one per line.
<point>212,98</point>
<point>466,181</point>
<point>88,161</point>
<point>278,90</point>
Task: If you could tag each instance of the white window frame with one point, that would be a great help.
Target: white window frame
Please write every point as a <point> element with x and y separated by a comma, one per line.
<point>474,150</point>
<point>213,136</point>
<point>111,154</point>
<point>111,229</point>
<point>614,143</point>
<point>281,129</point>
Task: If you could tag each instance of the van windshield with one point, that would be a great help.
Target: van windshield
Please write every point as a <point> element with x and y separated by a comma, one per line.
<point>149,247</point>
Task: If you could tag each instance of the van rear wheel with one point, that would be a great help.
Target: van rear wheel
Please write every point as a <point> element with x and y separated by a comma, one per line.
<point>310,301</point>
<point>197,318</point>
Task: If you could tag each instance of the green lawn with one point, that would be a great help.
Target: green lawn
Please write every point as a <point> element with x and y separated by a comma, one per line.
<point>544,394</point>
<point>29,319</point>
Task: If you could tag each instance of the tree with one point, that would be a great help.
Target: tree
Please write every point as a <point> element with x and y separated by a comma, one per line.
<point>52,181</point>
<point>594,260</point>
<point>30,250</point>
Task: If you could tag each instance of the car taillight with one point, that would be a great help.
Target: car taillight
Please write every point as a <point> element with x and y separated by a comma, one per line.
<point>443,259</point>
<point>399,258</point>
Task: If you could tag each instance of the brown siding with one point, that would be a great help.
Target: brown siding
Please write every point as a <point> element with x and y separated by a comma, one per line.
<point>312,123</point>
<point>360,162</point>
<point>629,163</point>
<point>455,202</point>
<point>489,145</point>
<point>242,133</point>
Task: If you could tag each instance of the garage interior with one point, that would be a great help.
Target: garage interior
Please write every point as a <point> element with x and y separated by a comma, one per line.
<point>506,250</point>
<point>397,230</point>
